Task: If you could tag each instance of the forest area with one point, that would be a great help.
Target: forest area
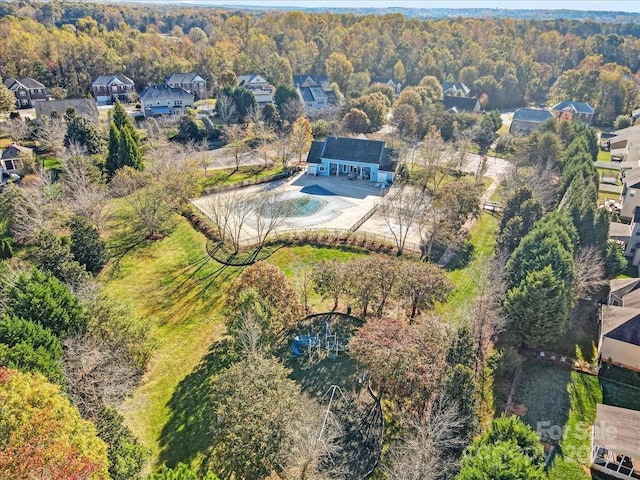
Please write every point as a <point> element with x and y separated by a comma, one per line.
<point>66,45</point>
<point>144,337</point>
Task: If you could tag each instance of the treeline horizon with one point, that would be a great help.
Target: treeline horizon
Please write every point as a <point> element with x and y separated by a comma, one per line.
<point>515,62</point>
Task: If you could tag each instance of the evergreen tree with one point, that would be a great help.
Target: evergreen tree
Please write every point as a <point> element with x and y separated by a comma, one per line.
<point>130,150</point>
<point>539,307</point>
<point>461,351</point>
<point>114,158</point>
<point>86,246</point>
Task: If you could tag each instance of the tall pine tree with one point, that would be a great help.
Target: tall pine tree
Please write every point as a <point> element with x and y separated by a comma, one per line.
<point>124,148</point>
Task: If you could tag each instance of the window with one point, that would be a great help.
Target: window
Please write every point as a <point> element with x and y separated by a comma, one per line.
<point>177,103</point>
<point>321,169</point>
<point>23,93</point>
<point>8,164</point>
<point>632,193</point>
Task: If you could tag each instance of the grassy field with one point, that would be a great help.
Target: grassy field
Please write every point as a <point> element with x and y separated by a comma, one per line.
<point>604,156</point>
<point>173,282</point>
<point>218,178</point>
<point>561,404</point>
<point>472,261</point>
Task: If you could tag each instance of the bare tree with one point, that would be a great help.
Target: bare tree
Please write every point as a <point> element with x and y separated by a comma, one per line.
<point>83,191</point>
<point>434,160</point>
<point>154,132</point>
<point>425,449</point>
<point>589,272</point>
<point>401,209</point>
<point>249,332</point>
<point>284,148</point>
<point>226,108</point>
<point>292,109</point>
<point>236,143</point>
<point>16,129</point>
<point>463,143</point>
<point>315,443</point>
<point>50,133</point>
<point>264,134</point>
<point>97,374</point>
<point>36,208</point>
<point>303,283</point>
<point>271,211</point>
<point>230,212</point>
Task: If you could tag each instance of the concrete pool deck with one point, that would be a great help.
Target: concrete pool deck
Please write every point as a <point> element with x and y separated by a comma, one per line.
<point>345,202</point>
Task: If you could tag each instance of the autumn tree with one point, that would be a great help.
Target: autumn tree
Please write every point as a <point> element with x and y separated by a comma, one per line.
<point>36,417</point>
<point>329,278</point>
<point>405,120</point>
<point>356,121</point>
<point>401,210</point>
<point>374,105</point>
<point>339,69</point>
<point>7,99</point>
<point>421,285</point>
<point>406,361</point>
<point>274,295</point>
<point>301,137</point>
<point>256,387</point>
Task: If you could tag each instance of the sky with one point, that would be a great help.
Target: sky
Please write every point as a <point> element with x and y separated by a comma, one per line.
<point>608,5</point>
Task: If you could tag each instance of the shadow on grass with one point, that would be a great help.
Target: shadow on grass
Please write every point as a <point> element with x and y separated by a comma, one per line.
<point>462,258</point>
<point>185,435</point>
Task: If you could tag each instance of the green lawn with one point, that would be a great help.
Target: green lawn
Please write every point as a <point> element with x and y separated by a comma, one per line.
<point>561,404</point>
<point>604,156</point>
<point>470,276</point>
<point>218,178</point>
<point>173,282</point>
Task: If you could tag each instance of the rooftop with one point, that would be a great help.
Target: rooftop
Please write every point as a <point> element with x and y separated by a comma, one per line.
<point>106,80</point>
<point>184,78</point>
<point>163,91</point>
<point>618,430</point>
<point>579,107</point>
<point>536,115</point>
<point>621,323</point>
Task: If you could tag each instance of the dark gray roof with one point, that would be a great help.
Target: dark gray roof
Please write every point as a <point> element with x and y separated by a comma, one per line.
<point>28,83</point>
<point>461,104</point>
<point>161,91</point>
<point>311,81</point>
<point>310,94</point>
<point>14,151</point>
<point>353,149</point>
<point>106,80</point>
<point>580,107</point>
<point>452,88</point>
<point>184,78</point>
<point>332,98</point>
<point>315,151</point>
<point>84,107</point>
<point>628,332</point>
<point>536,115</point>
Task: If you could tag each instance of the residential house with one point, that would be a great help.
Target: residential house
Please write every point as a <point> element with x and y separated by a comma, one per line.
<point>357,158</point>
<point>261,89</point>
<point>191,82</point>
<point>619,342</point>
<point>461,104</point>
<point>455,89</point>
<point>630,196</point>
<point>615,442</point>
<point>12,159</point>
<point>161,99</point>
<point>84,107</point>
<point>396,85</point>
<point>107,89</point>
<point>526,120</point>
<point>624,145</point>
<point>311,81</point>
<point>569,110</point>
<point>313,98</point>
<point>27,91</point>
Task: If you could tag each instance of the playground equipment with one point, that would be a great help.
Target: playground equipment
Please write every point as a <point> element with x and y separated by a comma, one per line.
<point>314,342</point>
